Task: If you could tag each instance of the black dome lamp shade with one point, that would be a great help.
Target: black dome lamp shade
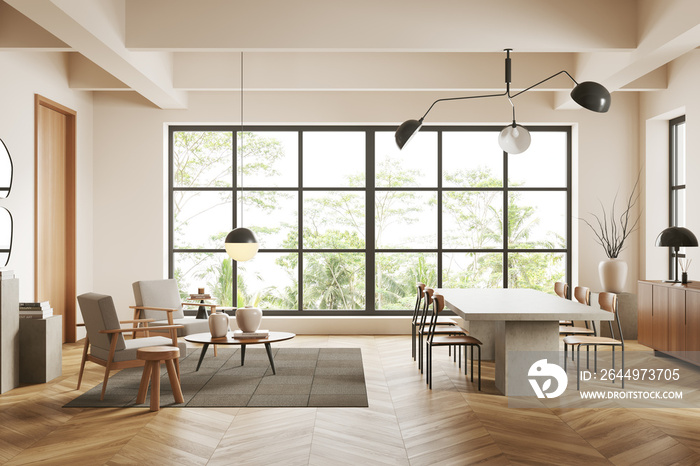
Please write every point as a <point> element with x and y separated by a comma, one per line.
<point>676,237</point>
<point>592,96</point>
<point>241,244</point>
<point>406,131</point>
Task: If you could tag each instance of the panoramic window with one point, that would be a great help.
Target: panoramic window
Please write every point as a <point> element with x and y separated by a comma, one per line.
<point>347,223</point>
<point>676,184</point>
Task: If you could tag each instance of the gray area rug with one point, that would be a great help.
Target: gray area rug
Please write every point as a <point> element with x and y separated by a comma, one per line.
<point>314,377</point>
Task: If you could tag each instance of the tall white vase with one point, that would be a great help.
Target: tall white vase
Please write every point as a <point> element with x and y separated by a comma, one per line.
<point>613,275</point>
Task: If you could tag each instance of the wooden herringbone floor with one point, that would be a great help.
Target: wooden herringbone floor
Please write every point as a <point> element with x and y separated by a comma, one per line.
<point>405,424</point>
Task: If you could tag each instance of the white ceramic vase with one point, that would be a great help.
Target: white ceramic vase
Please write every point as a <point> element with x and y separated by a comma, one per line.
<point>613,275</point>
<point>218,324</point>
<point>248,318</point>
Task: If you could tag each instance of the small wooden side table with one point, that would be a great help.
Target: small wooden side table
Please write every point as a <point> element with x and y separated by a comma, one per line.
<point>201,310</point>
<point>153,355</point>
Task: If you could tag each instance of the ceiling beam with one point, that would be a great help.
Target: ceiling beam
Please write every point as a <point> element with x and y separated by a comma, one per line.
<point>367,71</point>
<point>667,30</point>
<point>95,29</point>
<point>19,32</point>
<point>381,26</point>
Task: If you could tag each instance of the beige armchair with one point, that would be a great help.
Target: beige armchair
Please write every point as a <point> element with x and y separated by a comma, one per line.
<point>160,300</point>
<point>105,344</point>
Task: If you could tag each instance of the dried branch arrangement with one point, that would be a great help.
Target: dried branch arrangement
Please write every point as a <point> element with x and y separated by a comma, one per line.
<point>685,264</point>
<point>611,230</point>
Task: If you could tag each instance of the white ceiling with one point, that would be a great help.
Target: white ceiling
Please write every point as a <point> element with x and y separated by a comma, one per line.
<point>165,49</point>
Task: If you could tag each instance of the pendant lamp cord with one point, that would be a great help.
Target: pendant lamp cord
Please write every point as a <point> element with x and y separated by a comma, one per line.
<point>512,105</point>
<point>242,149</point>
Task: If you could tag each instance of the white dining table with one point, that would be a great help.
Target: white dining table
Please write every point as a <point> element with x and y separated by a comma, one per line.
<point>512,320</point>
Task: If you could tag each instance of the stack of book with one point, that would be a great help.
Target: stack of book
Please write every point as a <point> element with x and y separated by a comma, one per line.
<point>40,310</point>
<point>258,334</point>
<point>200,296</point>
<point>6,274</point>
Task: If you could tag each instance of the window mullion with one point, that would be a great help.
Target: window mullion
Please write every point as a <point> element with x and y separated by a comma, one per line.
<point>370,244</point>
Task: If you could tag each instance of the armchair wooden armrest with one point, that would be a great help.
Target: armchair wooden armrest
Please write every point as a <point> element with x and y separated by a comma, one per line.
<point>137,321</point>
<point>150,308</point>
<point>115,331</point>
<point>138,309</point>
<point>142,329</point>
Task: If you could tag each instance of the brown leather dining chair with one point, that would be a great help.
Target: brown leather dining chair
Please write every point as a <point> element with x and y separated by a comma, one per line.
<point>419,316</point>
<point>583,296</point>
<point>561,289</point>
<point>607,302</point>
<point>457,340</point>
<point>443,324</point>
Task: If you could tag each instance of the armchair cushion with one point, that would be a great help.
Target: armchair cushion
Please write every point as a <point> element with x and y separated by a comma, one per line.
<point>165,294</point>
<point>158,293</point>
<point>129,352</point>
<point>99,314</point>
<point>190,325</point>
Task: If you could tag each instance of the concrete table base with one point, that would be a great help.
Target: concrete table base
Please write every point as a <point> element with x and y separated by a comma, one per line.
<point>513,337</point>
<point>485,331</point>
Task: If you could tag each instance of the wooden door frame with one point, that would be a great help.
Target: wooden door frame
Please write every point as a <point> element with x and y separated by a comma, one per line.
<point>69,317</point>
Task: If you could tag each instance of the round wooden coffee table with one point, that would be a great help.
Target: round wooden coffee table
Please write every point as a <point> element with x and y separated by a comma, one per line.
<point>206,339</point>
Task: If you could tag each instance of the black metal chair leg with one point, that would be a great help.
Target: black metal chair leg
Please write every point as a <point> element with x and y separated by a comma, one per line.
<point>465,359</point>
<point>429,351</point>
<point>578,365</point>
<point>472,352</point>
<point>595,359</point>
<point>479,347</point>
<point>588,357</point>
<point>428,363</point>
<point>420,352</point>
<point>413,341</point>
<point>623,366</point>
<point>243,355</point>
<point>613,364</point>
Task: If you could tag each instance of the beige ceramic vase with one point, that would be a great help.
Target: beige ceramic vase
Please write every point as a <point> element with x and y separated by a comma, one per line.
<point>218,324</point>
<point>248,318</point>
<point>613,275</point>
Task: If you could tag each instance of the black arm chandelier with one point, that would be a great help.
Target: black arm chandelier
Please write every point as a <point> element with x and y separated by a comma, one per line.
<point>515,139</point>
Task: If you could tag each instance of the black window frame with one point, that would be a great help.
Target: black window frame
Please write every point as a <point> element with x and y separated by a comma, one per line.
<point>674,188</point>
<point>370,189</point>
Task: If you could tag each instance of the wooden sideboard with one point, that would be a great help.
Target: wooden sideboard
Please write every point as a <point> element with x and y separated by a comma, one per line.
<point>668,318</point>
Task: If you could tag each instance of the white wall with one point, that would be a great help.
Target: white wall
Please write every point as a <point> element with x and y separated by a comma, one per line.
<point>130,147</point>
<point>23,75</point>
<point>681,98</point>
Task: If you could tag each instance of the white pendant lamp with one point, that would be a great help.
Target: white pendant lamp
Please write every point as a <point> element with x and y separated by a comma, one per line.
<point>514,139</point>
<point>241,244</point>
